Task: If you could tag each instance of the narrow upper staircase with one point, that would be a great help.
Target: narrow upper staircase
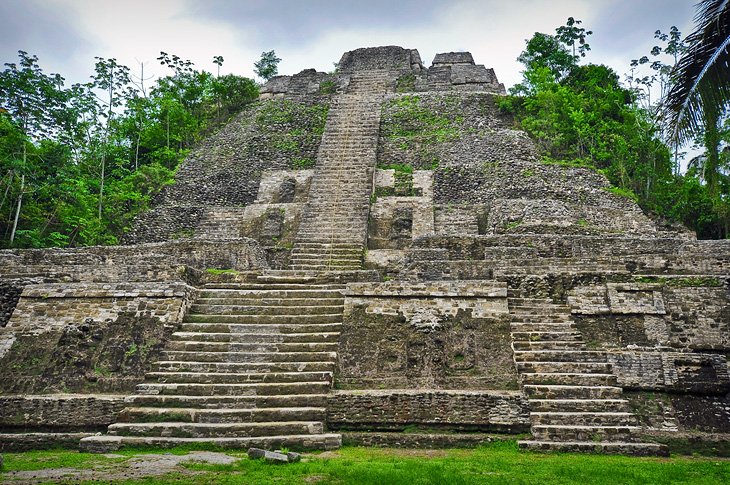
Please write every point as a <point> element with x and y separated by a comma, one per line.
<point>575,402</point>
<point>332,233</point>
<point>250,366</point>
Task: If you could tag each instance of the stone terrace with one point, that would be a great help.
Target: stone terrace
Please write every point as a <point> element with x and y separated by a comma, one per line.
<point>373,256</point>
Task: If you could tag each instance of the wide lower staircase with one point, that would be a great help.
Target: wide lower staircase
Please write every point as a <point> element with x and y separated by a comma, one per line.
<point>575,402</point>
<point>250,366</point>
<point>332,232</point>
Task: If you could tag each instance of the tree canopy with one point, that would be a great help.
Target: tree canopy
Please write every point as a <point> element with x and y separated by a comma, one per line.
<point>79,162</point>
<point>583,115</point>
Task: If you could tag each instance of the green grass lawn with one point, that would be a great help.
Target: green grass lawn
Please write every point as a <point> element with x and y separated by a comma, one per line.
<point>495,463</point>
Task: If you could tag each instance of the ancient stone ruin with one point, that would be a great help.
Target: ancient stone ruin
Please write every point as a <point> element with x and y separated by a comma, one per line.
<point>373,256</point>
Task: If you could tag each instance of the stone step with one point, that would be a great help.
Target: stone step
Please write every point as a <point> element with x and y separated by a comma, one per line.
<point>326,261</point>
<point>259,300</point>
<point>579,405</point>
<point>178,377</point>
<point>534,310</point>
<point>334,220</point>
<point>528,318</point>
<point>310,255</point>
<point>254,328</point>
<point>569,379</point>
<point>583,418</point>
<point>601,447</point>
<point>330,217</point>
<point>330,244</point>
<point>567,367</point>
<point>216,430</point>
<point>308,228</point>
<point>268,310</point>
<point>253,295</point>
<point>571,432</point>
<point>564,326</point>
<point>243,367</point>
<point>254,347</point>
<point>342,232</point>
<point>106,444</point>
<point>557,391</point>
<point>325,267</point>
<point>517,300</point>
<point>559,356</point>
<point>249,357</point>
<point>264,319</point>
<point>250,389</point>
<point>258,337</point>
<point>227,402</point>
<point>340,242</point>
<point>276,290</point>
<point>529,345</point>
<point>224,415</point>
<point>547,336</point>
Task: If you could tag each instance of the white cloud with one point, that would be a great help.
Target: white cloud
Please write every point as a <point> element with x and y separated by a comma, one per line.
<point>494,31</point>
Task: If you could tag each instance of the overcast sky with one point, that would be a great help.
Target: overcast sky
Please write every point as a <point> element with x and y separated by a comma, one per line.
<point>67,34</point>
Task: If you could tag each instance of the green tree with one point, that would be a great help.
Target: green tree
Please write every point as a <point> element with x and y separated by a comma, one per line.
<point>268,66</point>
<point>113,79</point>
<point>543,54</point>
<point>33,101</point>
<point>570,34</point>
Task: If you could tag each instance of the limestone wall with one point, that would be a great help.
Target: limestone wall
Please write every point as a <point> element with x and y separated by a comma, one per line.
<point>394,410</point>
<point>399,335</point>
<point>88,337</point>
<point>59,412</point>
<point>143,262</point>
<point>680,313</point>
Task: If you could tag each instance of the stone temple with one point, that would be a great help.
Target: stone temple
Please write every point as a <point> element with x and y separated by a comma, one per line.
<point>373,256</point>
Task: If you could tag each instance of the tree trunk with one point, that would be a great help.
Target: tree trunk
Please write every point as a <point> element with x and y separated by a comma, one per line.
<point>7,188</point>
<point>20,203</point>
<point>712,145</point>
<point>101,186</point>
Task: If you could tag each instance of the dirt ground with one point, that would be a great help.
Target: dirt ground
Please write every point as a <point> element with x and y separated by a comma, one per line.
<point>136,467</point>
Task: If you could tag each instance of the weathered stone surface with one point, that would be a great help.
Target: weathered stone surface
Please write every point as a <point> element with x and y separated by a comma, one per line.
<point>451,335</point>
<point>371,58</point>
<point>501,411</point>
<point>225,170</point>
<point>256,453</point>
<point>505,273</point>
<point>144,262</point>
<point>89,336</point>
<point>420,440</point>
<point>17,442</point>
<point>59,412</point>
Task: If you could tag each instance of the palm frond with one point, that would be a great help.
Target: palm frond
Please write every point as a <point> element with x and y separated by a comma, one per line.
<point>701,78</point>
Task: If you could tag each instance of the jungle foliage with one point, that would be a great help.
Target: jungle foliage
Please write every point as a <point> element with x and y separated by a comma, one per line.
<point>584,114</point>
<point>79,162</point>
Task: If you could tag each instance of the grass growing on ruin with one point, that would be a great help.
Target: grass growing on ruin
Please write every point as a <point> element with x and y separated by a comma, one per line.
<point>499,462</point>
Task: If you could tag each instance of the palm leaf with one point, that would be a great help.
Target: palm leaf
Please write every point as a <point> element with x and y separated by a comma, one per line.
<point>701,78</point>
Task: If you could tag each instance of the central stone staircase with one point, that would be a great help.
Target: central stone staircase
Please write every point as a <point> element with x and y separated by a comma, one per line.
<point>575,402</point>
<point>250,366</point>
<point>332,233</point>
